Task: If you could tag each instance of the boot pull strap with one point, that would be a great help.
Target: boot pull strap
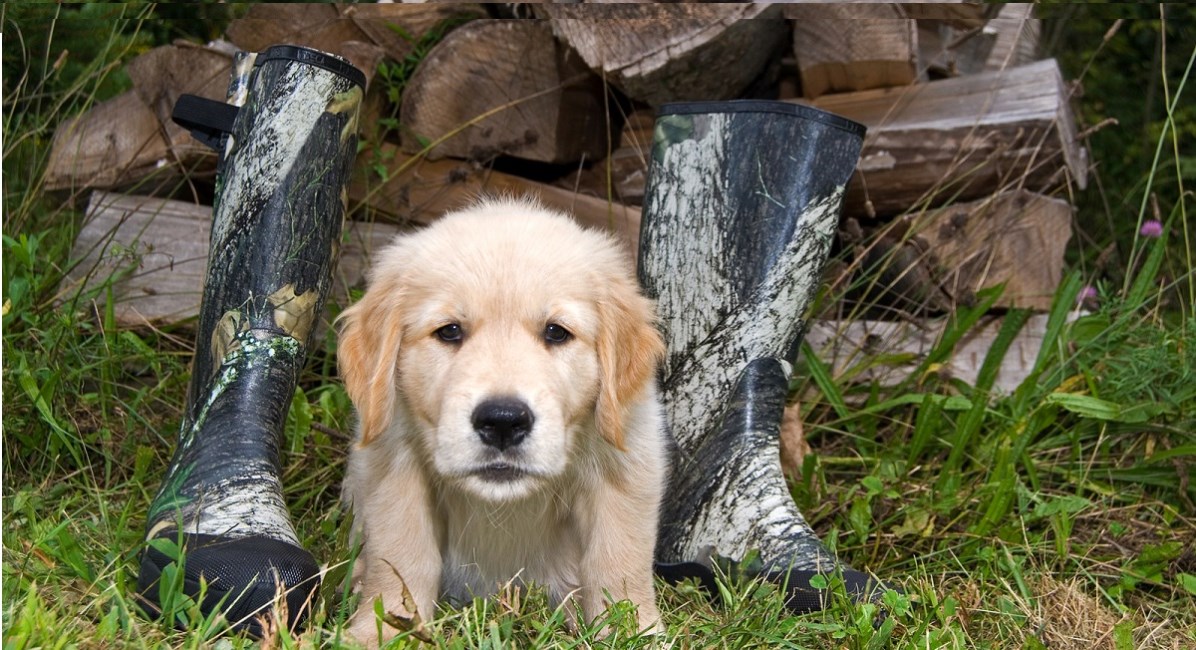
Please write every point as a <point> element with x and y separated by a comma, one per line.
<point>208,120</point>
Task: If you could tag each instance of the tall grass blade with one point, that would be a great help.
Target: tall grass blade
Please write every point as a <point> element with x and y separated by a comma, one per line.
<point>826,383</point>
<point>959,324</point>
<point>974,418</point>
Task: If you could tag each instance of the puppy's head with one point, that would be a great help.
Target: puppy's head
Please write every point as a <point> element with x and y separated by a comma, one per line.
<point>497,338</point>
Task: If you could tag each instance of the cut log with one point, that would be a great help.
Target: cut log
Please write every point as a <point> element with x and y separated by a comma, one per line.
<point>156,252</point>
<point>947,140</point>
<point>623,174</point>
<point>157,279</point>
<point>398,28</point>
<point>962,138</point>
<point>886,352</point>
<point>535,100</point>
<point>123,141</point>
<point>961,15</point>
<point>846,55</point>
<point>672,52</point>
<point>638,129</point>
<point>130,141</point>
<point>1017,238</point>
<point>934,261</point>
<point>349,31</point>
<point>423,190</point>
<point>842,54</point>
<point>1016,33</point>
<point>318,26</point>
<point>162,74</point>
<point>119,143</point>
<point>947,51</point>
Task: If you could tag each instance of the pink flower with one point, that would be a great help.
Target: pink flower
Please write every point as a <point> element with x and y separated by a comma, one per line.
<point>1087,296</point>
<point>1152,228</point>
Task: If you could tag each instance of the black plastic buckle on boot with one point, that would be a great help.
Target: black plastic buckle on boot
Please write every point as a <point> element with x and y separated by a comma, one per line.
<point>208,120</point>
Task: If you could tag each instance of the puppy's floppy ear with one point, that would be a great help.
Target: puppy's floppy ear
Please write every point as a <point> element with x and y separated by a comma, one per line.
<point>367,352</point>
<point>629,350</point>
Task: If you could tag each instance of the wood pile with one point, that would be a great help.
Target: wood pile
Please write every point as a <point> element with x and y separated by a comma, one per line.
<point>970,156</point>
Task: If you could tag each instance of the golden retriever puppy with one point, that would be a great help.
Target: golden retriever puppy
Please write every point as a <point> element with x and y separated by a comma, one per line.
<point>503,367</point>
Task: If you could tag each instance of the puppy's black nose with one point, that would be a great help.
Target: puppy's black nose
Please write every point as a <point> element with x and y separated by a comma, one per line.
<point>502,422</point>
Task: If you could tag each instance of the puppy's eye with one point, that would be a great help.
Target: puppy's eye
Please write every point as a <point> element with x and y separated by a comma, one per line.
<point>450,333</point>
<point>555,334</point>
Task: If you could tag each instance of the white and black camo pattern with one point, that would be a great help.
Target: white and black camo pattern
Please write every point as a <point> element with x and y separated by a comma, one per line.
<point>276,228</point>
<point>732,248</point>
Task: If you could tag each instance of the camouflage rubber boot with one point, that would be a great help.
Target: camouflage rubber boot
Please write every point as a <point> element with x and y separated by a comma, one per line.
<point>740,211</point>
<point>280,204</point>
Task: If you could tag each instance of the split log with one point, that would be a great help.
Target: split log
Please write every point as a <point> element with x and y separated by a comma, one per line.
<point>961,15</point>
<point>119,143</point>
<point>838,51</point>
<point>157,279</point>
<point>624,173</point>
<point>952,139</point>
<point>156,252</point>
<point>547,106</point>
<point>1016,33</point>
<point>164,73</point>
<point>1016,238</point>
<point>887,352</point>
<point>638,129</point>
<point>961,138</point>
<point>318,26</point>
<point>673,52</point>
<point>398,28</point>
<point>361,33</point>
<point>125,140</point>
<point>424,190</point>
<point>934,261</point>
<point>947,51</point>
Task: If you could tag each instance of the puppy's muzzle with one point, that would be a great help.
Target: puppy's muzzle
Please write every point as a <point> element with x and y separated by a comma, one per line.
<point>502,422</point>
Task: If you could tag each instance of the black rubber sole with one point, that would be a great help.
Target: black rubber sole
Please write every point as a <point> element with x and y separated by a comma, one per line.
<point>800,598</point>
<point>242,578</point>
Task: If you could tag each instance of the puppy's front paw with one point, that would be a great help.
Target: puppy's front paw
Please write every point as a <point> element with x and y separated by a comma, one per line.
<point>371,628</point>
<point>363,628</point>
<point>649,621</point>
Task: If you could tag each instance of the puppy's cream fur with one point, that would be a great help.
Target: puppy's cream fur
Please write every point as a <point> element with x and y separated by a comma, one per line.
<point>575,507</point>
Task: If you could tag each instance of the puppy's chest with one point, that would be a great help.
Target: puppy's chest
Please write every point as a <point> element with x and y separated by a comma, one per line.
<point>484,547</point>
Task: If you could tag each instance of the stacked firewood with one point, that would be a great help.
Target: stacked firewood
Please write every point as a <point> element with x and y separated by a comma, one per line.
<point>971,143</point>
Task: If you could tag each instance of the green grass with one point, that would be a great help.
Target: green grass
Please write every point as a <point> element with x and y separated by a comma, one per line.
<point>1061,516</point>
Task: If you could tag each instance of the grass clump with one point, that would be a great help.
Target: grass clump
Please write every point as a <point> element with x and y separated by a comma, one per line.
<point>1060,516</point>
